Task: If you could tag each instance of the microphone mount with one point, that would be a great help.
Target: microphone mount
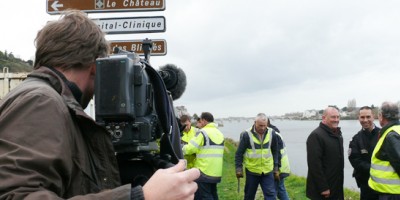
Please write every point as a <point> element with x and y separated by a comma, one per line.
<point>147,46</point>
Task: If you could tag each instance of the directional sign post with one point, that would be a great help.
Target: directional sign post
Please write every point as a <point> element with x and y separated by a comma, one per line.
<point>132,25</point>
<point>159,46</point>
<point>100,6</point>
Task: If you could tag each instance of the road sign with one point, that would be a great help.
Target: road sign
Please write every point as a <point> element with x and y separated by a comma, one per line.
<point>159,46</point>
<point>101,6</point>
<point>132,25</point>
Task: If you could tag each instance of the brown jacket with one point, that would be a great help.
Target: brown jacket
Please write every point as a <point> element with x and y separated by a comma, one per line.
<point>49,147</point>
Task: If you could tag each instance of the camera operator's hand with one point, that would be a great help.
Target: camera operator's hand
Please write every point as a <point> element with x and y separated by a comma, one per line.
<point>172,183</point>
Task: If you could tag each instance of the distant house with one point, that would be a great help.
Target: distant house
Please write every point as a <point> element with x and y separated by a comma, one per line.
<point>343,114</point>
<point>310,114</point>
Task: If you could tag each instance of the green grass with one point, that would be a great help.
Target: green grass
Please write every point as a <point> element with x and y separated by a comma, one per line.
<point>227,189</point>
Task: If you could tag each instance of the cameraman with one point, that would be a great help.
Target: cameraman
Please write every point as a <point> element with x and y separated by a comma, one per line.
<point>49,147</point>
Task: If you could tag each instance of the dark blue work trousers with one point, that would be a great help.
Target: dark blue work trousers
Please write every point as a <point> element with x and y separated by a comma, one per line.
<point>267,183</point>
<point>366,193</point>
<point>280,189</point>
<point>206,191</point>
<point>389,197</point>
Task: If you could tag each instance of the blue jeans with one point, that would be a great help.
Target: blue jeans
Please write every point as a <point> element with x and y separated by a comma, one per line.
<point>266,181</point>
<point>281,190</point>
<point>206,191</point>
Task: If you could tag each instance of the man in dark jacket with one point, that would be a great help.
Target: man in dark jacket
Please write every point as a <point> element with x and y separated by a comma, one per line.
<point>49,147</point>
<point>360,152</point>
<point>325,158</point>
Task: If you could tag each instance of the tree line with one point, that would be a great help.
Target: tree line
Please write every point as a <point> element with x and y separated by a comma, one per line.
<point>14,64</point>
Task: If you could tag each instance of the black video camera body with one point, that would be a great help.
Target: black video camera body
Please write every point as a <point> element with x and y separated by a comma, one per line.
<point>132,102</point>
<point>125,103</point>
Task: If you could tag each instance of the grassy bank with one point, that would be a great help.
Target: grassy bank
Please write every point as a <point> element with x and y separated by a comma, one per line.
<point>227,189</point>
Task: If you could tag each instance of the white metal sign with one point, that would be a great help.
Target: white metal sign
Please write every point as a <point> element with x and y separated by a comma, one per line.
<point>132,25</point>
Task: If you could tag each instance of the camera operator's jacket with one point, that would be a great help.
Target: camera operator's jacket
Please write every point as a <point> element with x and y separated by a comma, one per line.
<point>50,149</point>
<point>208,145</point>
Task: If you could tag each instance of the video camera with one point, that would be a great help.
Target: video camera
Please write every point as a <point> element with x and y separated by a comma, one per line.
<point>133,102</point>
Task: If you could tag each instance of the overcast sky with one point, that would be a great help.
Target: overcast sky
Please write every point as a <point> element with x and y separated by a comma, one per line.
<point>272,56</point>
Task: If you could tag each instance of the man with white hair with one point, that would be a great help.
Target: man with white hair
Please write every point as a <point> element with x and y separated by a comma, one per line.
<point>385,161</point>
<point>258,152</point>
<point>325,158</point>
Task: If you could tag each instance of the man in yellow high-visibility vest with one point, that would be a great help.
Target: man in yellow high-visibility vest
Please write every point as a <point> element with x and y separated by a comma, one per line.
<point>187,134</point>
<point>284,169</point>
<point>208,145</point>
<point>385,161</point>
<point>258,156</point>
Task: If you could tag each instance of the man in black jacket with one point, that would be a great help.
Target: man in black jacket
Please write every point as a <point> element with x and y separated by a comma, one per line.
<point>325,159</point>
<point>360,151</point>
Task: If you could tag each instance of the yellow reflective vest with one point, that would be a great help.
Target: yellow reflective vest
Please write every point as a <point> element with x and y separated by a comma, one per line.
<point>186,137</point>
<point>258,159</point>
<point>285,166</point>
<point>208,145</point>
<point>383,178</point>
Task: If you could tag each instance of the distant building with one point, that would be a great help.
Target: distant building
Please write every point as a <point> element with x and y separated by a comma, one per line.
<point>310,114</point>
<point>343,113</point>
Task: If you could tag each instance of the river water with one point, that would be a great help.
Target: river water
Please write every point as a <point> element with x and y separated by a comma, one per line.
<point>295,133</point>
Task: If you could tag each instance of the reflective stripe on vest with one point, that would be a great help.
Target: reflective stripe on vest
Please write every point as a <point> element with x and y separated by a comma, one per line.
<point>209,159</point>
<point>259,160</point>
<point>285,166</point>
<point>383,177</point>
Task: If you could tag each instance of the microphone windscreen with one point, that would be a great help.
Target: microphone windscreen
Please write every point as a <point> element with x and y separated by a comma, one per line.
<point>174,79</point>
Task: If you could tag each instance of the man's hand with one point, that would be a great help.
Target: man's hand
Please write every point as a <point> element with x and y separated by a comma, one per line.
<point>326,193</point>
<point>239,173</point>
<point>276,176</point>
<point>172,183</point>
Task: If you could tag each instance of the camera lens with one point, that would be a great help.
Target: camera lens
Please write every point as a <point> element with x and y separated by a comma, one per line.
<point>118,133</point>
